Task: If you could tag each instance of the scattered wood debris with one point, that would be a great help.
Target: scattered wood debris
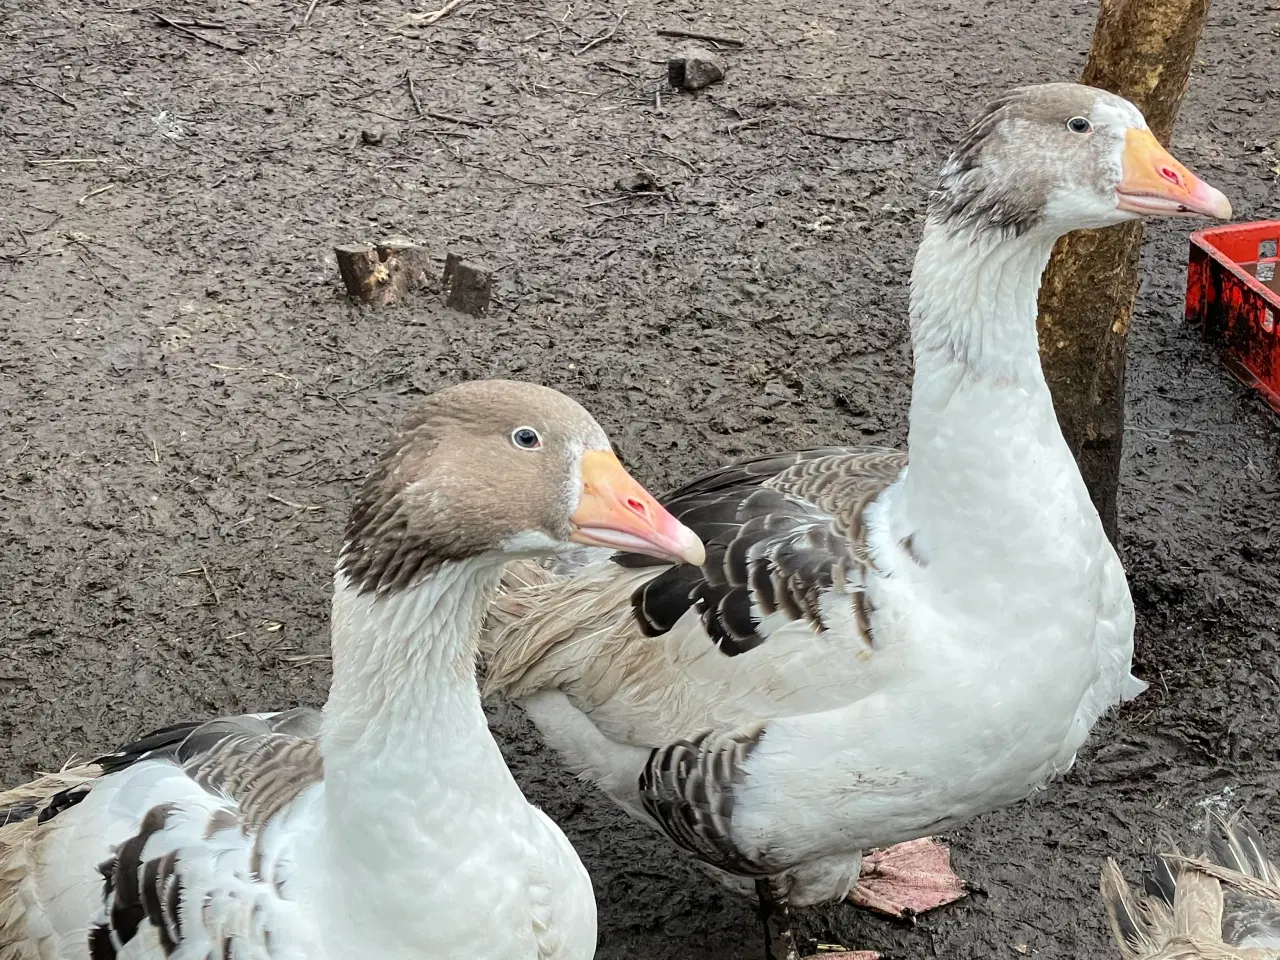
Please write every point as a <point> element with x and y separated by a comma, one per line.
<point>705,37</point>
<point>435,16</point>
<point>195,31</point>
<point>603,38</point>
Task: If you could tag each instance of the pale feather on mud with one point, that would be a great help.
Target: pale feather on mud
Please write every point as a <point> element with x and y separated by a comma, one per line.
<point>1222,904</point>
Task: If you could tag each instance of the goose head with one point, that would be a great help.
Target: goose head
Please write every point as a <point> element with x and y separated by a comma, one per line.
<point>1059,157</point>
<point>499,469</point>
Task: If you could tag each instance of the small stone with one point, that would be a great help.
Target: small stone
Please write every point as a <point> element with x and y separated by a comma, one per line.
<point>640,182</point>
<point>693,73</point>
<point>371,137</point>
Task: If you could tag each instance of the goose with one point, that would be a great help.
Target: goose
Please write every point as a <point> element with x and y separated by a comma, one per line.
<point>880,644</point>
<point>386,825</point>
<point>1223,905</point>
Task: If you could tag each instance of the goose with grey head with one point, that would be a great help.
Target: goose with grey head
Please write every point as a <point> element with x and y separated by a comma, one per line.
<point>387,825</point>
<point>1222,903</point>
<point>881,643</point>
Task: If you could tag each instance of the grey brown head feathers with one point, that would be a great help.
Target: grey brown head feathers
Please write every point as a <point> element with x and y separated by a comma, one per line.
<point>497,468</point>
<point>1064,156</point>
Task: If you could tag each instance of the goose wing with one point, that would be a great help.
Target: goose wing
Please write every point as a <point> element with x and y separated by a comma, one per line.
<point>179,845</point>
<point>781,531</point>
<point>1221,906</point>
<point>776,620</point>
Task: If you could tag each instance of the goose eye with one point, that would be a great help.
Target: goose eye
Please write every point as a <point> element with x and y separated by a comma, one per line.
<point>1079,125</point>
<point>526,438</point>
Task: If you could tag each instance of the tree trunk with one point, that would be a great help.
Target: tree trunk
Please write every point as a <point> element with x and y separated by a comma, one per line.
<point>1142,50</point>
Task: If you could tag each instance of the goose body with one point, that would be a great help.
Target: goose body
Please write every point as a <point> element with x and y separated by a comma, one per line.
<point>880,644</point>
<point>387,825</point>
<point>809,640</point>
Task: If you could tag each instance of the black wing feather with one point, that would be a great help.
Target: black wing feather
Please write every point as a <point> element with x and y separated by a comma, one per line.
<point>779,530</point>
<point>688,786</point>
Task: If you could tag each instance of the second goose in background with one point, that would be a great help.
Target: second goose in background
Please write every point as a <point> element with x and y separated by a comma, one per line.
<point>880,644</point>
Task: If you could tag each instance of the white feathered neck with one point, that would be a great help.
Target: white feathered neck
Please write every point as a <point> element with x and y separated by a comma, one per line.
<point>973,301</point>
<point>405,741</point>
<point>404,661</point>
<point>986,455</point>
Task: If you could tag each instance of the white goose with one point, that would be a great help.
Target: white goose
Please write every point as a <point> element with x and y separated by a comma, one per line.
<point>388,826</point>
<point>873,652</point>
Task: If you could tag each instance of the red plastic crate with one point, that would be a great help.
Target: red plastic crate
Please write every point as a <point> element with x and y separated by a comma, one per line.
<point>1235,311</point>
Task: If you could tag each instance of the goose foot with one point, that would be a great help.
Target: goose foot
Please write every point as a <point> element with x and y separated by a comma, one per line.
<point>907,879</point>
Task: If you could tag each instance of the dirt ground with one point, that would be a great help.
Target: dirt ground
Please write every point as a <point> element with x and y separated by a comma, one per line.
<point>189,402</point>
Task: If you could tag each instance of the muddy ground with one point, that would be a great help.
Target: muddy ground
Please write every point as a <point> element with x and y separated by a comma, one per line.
<point>189,402</point>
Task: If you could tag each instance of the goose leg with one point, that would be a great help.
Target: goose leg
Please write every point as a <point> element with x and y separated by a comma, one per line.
<point>779,937</point>
<point>908,879</point>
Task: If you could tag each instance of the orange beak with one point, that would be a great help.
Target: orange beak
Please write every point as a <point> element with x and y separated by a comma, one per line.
<point>1155,184</point>
<point>618,513</point>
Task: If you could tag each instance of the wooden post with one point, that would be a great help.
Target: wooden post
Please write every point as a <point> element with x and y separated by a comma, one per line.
<point>1142,50</point>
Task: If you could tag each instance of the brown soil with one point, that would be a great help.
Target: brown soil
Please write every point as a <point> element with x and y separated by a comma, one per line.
<point>189,401</point>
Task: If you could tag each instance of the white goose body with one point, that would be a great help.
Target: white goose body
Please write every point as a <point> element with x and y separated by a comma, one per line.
<point>387,826</point>
<point>872,651</point>
<point>456,863</point>
<point>1000,619</point>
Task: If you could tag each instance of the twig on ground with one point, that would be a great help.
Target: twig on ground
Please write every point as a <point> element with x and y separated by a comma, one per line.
<point>50,163</point>
<point>424,19</point>
<point>270,373</point>
<point>155,449</point>
<point>852,138</point>
<point>450,118</point>
<point>413,95</point>
<point>310,11</point>
<point>202,24</point>
<point>603,37</point>
<point>611,200</point>
<point>94,193</point>
<point>198,35</point>
<point>708,37</point>
<point>86,261</point>
<point>290,503</point>
<point>745,124</point>
<point>209,580</point>
<point>52,93</point>
<point>672,156</point>
<point>423,114</point>
<point>502,173</point>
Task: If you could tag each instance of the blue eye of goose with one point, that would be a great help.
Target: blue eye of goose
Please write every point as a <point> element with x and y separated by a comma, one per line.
<point>526,438</point>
